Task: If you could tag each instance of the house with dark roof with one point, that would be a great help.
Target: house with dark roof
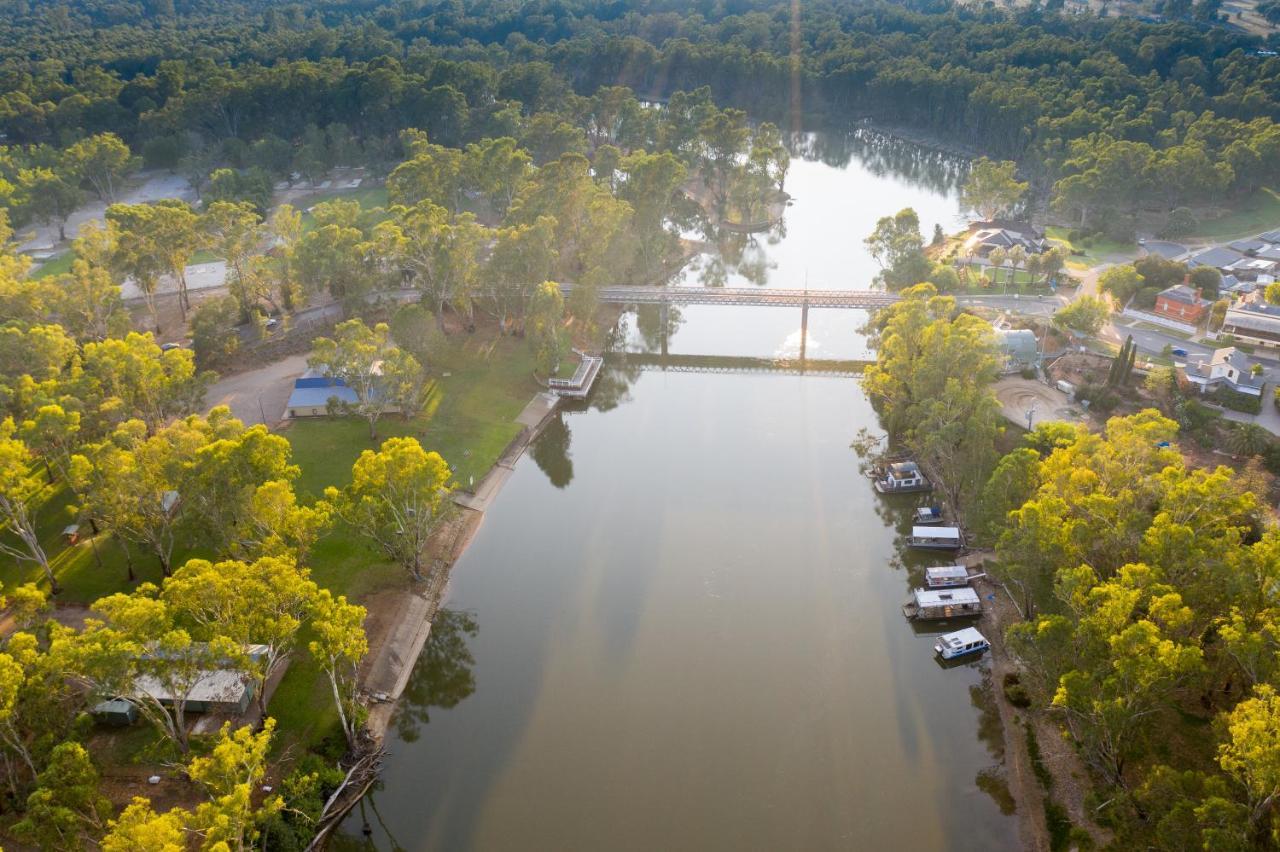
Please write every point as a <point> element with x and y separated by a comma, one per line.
<point>1218,257</point>
<point>1227,367</point>
<point>1272,237</point>
<point>1181,303</point>
<point>1002,234</point>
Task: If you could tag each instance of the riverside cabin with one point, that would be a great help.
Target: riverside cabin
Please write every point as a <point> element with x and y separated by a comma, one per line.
<point>946,576</point>
<point>902,478</point>
<point>928,604</point>
<point>967,641</point>
<point>936,538</point>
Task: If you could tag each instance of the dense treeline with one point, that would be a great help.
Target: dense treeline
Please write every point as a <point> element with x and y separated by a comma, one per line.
<point>1148,588</point>
<point>1126,113</point>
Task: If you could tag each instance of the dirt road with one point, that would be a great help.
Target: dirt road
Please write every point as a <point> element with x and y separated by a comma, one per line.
<point>258,396</point>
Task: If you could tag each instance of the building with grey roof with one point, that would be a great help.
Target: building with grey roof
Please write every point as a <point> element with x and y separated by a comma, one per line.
<point>1255,323</point>
<point>1228,367</point>
<point>1218,257</point>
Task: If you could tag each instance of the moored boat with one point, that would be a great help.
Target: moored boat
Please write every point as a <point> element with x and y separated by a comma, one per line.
<point>962,642</point>
<point>929,604</point>
<point>903,478</point>
<point>947,576</point>
<point>936,538</point>
<point>927,516</point>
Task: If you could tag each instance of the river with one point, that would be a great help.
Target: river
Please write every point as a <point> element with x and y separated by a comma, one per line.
<point>679,625</point>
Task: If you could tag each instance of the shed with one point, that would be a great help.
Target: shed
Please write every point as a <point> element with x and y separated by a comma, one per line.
<point>221,691</point>
<point>117,712</point>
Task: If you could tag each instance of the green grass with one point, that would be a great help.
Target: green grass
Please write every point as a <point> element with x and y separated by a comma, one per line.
<point>1150,326</point>
<point>368,198</point>
<point>82,578</point>
<point>55,265</point>
<point>1095,249</point>
<point>469,417</point>
<point>1259,212</point>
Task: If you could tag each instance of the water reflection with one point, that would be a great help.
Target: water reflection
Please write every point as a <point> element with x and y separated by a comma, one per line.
<point>443,678</point>
<point>551,452</point>
<point>884,155</point>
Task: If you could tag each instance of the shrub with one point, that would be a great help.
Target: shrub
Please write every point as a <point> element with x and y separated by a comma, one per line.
<point>1180,223</point>
<point>1101,398</point>
<point>1276,397</point>
<point>1015,693</point>
<point>1059,825</point>
<point>1037,762</point>
<point>1236,401</point>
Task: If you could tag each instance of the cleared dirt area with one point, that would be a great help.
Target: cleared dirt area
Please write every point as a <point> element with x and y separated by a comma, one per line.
<point>258,396</point>
<point>1018,396</point>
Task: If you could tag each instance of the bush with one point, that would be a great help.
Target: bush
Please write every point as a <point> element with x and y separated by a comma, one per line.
<point>1276,397</point>
<point>1028,372</point>
<point>1015,693</point>
<point>1180,223</point>
<point>1059,825</point>
<point>1037,762</point>
<point>1236,401</point>
<point>1101,398</point>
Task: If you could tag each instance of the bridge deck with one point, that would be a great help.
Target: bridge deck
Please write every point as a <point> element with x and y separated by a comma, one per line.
<point>762,296</point>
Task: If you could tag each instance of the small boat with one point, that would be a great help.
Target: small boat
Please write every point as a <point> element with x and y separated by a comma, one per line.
<point>967,641</point>
<point>928,516</point>
<point>948,576</point>
<point>930,604</point>
<point>903,478</point>
<point>936,538</point>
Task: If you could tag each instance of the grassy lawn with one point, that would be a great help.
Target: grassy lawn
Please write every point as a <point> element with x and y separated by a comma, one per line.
<point>77,568</point>
<point>1094,250</point>
<point>1150,326</point>
<point>55,265</point>
<point>1259,212</point>
<point>368,198</point>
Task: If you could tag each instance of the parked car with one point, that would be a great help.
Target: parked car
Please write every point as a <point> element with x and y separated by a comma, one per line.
<point>1179,352</point>
<point>169,347</point>
<point>272,324</point>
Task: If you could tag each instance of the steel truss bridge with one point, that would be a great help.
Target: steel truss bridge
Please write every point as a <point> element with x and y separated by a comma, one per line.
<point>734,364</point>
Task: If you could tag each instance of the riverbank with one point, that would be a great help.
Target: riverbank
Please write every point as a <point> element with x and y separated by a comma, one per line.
<point>401,618</point>
<point>1053,781</point>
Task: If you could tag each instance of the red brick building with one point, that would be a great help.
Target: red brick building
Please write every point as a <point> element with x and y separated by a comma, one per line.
<point>1182,303</point>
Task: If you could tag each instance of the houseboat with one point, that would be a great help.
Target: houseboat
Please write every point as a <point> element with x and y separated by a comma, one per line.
<point>927,516</point>
<point>967,641</point>
<point>928,604</point>
<point>946,576</point>
<point>902,478</point>
<point>936,538</point>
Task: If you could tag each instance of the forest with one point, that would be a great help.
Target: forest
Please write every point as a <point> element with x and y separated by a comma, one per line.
<point>578,141</point>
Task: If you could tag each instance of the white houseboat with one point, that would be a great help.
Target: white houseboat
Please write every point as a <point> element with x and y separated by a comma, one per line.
<point>936,538</point>
<point>902,478</point>
<point>928,604</point>
<point>947,576</point>
<point>967,641</point>
<point>928,516</point>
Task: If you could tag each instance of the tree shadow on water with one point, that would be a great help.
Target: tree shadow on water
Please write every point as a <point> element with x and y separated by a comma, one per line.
<point>444,677</point>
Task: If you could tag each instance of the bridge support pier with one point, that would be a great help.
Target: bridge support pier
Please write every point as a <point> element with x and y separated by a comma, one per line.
<point>664,321</point>
<point>804,331</point>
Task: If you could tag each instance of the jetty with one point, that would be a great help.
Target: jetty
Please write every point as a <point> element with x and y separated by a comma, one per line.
<point>579,384</point>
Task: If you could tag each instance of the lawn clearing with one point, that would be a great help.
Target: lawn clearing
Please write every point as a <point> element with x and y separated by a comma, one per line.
<point>367,197</point>
<point>1255,214</point>
<point>1088,253</point>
